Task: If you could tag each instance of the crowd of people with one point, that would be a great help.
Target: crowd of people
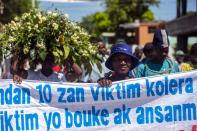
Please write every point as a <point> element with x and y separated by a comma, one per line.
<point>120,64</point>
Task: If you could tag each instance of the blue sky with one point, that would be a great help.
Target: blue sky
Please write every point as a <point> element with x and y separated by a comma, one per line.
<point>77,10</point>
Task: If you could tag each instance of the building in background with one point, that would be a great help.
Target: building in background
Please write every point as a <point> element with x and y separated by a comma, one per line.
<point>133,33</point>
<point>139,33</point>
<point>184,26</point>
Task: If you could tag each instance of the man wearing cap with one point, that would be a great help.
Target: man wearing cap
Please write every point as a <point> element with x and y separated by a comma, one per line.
<point>120,62</point>
<point>160,63</point>
<point>179,56</point>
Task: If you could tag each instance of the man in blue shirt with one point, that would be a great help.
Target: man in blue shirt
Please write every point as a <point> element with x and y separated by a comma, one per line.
<point>160,63</point>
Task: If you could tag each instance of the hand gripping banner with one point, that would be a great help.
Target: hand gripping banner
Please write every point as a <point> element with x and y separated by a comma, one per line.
<point>159,103</point>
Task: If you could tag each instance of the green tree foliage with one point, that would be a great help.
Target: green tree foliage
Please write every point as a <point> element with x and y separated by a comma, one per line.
<point>124,11</point>
<point>118,12</point>
<point>96,23</point>
<point>36,34</point>
<point>13,8</point>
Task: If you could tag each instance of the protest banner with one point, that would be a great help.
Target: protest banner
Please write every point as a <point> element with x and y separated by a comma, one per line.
<point>164,103</point>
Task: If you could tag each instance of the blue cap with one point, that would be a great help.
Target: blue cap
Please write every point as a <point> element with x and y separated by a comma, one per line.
<point>124,49</point>
<point>161,38</point>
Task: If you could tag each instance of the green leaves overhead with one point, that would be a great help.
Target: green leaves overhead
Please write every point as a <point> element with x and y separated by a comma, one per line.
<point>38,33</point>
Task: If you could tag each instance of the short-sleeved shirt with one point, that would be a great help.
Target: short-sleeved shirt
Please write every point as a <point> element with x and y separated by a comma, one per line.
<point>149,68</point>
<point>37,75</point>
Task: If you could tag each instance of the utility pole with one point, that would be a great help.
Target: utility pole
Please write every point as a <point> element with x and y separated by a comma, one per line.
<point>33,3</point>
<point>1,7</point>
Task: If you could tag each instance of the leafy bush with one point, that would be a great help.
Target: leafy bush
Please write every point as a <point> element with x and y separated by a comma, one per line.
<point>37,33</point>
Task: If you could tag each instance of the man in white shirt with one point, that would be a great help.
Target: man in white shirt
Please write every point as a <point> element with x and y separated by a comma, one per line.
<point>45,74</point>
<point>96,73</point>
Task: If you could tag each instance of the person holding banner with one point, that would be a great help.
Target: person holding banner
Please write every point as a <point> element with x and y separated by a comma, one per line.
<point>120,62</point>
<point>72,71</point>
<point>45,74</point>
<point>11,67</point>
<point>160,63</point>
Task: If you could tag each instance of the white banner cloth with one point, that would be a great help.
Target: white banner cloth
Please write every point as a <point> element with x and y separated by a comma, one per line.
<point>159,103</point>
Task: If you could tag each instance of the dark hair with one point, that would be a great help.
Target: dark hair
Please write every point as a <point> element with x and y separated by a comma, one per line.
<point>193,49</point>
<point>13,59</point>
<point>50,57</point>
<point>21,61</point>
<point>95,40</point>
<point>148,47</point>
